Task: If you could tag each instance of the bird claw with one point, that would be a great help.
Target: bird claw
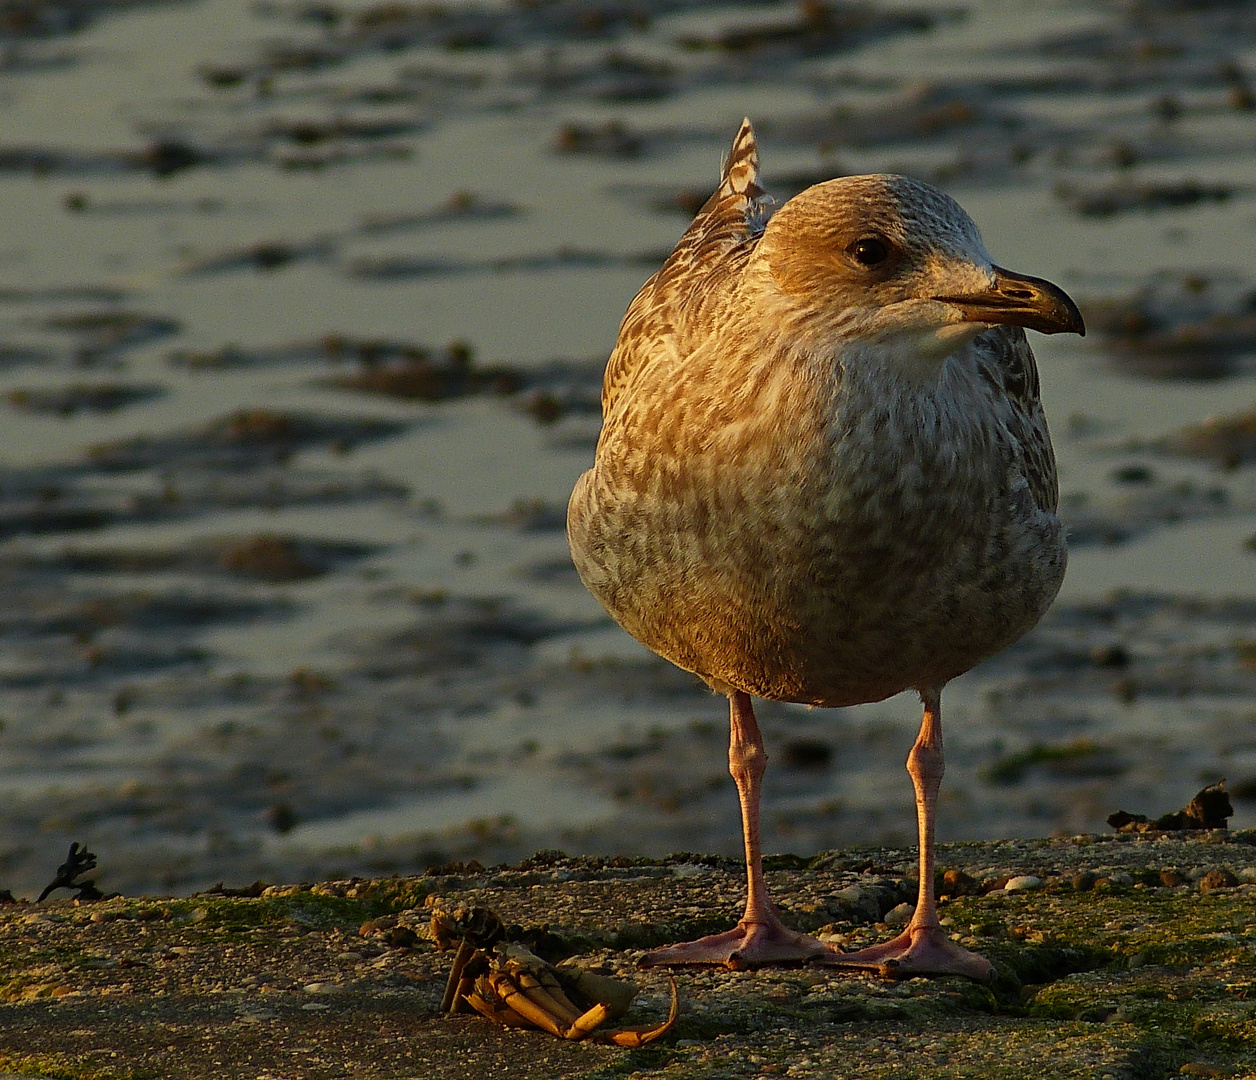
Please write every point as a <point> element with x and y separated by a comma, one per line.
<point>746,946</point>
<point>922,950</point>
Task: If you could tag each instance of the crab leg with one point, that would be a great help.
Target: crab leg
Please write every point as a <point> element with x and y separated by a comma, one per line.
<point>538,1015</point>
<point>589,1021</point>
<point>502,1014</point>
<point>466,987</point>
<point>449,1003</point>
<point>634,1037</point>
<point>549,984</point>
<point>537,989</point>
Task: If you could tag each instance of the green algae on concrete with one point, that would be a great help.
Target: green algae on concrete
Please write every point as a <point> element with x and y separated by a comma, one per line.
<point>1118,964</point>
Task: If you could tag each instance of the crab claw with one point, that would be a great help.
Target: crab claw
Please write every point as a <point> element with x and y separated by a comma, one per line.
<point>639,1036</point>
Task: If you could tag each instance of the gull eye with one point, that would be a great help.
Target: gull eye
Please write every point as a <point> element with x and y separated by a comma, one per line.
<point>869,251</point>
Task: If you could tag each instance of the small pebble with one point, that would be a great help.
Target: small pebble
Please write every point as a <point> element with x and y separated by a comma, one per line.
<point>1218,878</point>
<point>1196,1068</point>
<point>958,883</point>
<point>861,902</point>
<point>900,915</point>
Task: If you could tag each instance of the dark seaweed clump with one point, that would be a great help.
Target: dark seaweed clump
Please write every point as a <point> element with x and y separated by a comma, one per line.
<point>1179,325</point>
<point>415,373</point>
<point>1209,809</point>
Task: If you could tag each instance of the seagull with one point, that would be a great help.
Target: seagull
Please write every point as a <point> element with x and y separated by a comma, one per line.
<point>824,476</point>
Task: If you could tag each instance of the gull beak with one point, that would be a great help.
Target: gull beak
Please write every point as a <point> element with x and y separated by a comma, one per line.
<point>1019,300</point>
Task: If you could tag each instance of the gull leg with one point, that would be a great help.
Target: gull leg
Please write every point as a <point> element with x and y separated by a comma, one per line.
<point>760,939</point>
<point>923,948</point>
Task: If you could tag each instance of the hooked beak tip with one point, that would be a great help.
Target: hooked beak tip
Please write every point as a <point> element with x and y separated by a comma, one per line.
<point>1021,300</point>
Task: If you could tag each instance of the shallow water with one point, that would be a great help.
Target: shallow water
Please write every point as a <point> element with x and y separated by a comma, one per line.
<point>448,689</point>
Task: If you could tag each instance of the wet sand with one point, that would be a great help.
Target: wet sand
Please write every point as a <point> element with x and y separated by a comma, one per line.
<point>302,320</point>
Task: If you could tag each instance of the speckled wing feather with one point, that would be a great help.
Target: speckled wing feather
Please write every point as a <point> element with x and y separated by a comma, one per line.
<point>1009,363</point>
<point>732,218</point>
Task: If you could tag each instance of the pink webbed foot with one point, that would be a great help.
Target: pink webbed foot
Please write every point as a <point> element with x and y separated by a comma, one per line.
<point>760,939</point>
<point>747,945</point>
<point>924,950</point>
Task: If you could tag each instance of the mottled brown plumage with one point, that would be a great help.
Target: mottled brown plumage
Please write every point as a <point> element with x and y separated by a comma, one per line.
<point>824,473</point>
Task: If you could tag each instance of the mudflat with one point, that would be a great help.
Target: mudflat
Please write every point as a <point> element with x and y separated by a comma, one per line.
<point>303,314</point>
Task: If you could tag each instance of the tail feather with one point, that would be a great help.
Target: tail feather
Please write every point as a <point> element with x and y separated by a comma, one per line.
<point>740,174</point>
<point>730,221</point>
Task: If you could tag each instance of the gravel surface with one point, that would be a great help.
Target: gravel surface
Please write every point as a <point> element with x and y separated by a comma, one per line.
<point>1118,956</point>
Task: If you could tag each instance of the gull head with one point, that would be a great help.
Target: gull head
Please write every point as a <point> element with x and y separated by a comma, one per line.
<point>893,263</point>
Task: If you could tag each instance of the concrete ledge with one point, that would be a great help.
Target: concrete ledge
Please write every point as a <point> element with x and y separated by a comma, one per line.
<point>1132,956</point>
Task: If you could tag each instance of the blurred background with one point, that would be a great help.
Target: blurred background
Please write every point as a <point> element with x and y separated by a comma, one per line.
<point>303,312</point>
